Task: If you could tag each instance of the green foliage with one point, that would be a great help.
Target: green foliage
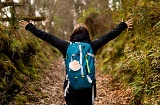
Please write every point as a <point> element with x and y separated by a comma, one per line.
<point>95,21</point>
<point>21,60</point>
<point>20,100</point>
<point>133,57</point>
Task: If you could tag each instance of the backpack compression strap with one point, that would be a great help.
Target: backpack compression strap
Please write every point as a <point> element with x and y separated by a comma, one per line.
<point>67,87</point>
<point>80,49</point>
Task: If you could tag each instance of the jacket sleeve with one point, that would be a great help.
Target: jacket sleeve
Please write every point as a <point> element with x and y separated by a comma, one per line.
<point>61,45</point>
<point>98,43</point>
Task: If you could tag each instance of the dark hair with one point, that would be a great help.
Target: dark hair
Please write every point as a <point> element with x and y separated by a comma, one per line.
<point>80,29</point>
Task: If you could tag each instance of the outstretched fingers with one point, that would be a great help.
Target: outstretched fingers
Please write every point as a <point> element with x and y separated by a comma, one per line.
<point>23,23</point>
<point>129,23</point>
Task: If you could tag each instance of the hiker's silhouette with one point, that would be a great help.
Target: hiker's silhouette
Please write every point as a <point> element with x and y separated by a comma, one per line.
<point>73,96</point>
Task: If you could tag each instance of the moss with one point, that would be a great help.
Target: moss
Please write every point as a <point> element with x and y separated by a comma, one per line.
<point>133,57</point>
<point>20,100</point>
<point>18,66</point>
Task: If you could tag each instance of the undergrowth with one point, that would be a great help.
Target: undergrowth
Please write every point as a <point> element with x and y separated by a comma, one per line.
<point>134,57</point>
<point>22,58</point>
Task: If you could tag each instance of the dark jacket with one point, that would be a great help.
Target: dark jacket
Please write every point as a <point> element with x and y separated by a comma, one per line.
<point>62,46</point>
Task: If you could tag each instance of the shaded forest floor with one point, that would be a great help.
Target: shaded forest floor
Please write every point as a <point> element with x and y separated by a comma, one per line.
<point>50,88</point>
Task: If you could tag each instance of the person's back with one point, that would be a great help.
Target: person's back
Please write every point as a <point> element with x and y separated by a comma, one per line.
<point>79,96</point>
<point>80,68</point>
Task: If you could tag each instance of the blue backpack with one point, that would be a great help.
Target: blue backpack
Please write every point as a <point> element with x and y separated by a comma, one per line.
<point>80,66</point>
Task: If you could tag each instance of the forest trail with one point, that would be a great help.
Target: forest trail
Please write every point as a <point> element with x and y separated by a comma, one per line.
<point>109,91</point>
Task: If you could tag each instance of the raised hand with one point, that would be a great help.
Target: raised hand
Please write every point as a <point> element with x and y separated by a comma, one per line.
<point>129,23</point>
<point>24,23</point>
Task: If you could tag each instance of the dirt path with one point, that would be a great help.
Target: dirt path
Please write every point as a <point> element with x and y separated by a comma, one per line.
<point>109,91</point>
